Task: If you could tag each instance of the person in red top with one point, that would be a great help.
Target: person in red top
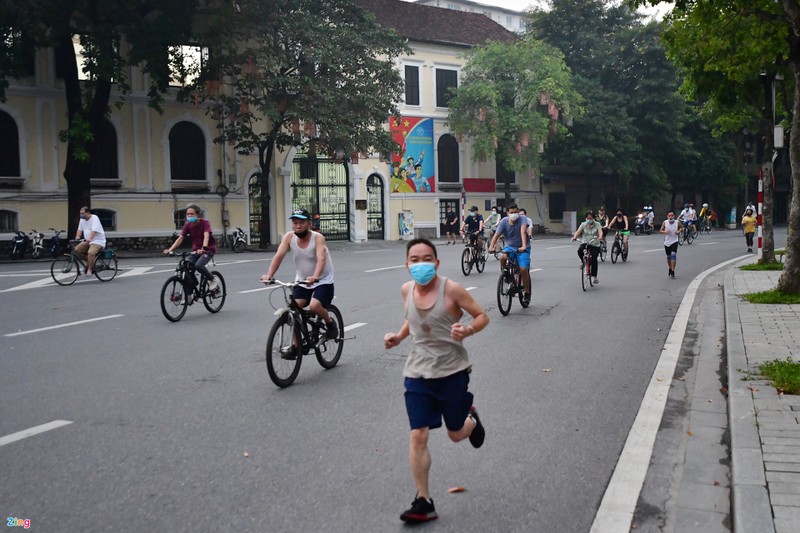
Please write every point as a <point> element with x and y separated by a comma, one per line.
<point>204,246</point>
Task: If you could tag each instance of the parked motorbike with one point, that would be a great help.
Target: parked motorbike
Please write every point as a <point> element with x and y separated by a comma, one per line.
<point>642,225</point>
<point>20,246</point>
<point>239,240</point>
<point>58,246</point>
<point>38,243</point>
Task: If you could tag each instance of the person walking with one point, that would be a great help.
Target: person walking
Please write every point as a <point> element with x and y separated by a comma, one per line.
<point>451,227</point>
<point>670,228</point>
<point>749,222</point>
<point>437,369</point>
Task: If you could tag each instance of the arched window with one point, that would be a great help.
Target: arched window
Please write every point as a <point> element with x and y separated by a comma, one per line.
<point>187,152</point>
<point>103,165</point>
<point>108,218</point>
<point>9,222</point>
<point>448,159</point>
<point>9,146</point>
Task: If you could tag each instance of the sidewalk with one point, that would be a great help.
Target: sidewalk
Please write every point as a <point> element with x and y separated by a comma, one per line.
<point>764,426</point>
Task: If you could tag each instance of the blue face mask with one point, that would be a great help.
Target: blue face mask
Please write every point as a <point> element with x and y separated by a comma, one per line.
<point>191,219</point>
<point>422,273</point>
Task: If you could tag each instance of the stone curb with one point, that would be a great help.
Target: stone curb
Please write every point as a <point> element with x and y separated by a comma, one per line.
<point>750,504</point>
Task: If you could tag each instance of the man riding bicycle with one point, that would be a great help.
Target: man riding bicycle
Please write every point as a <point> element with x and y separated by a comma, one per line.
<point>515,232</point>
<point>203,244</point>
<point>688,216</point>
<point>473,226</point>
<point>313,262</point>
<point>620,223</point>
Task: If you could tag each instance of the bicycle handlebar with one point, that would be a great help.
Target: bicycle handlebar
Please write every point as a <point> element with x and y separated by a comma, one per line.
<point>274,281</point>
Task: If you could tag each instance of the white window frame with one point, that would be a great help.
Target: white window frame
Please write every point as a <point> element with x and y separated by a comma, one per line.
<point>420,65</point>
<point>444,66</point>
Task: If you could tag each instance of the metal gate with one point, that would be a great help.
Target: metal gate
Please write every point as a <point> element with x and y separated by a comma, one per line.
<point>320,186</point>
<point>254,195</point>
<point>375,207</point>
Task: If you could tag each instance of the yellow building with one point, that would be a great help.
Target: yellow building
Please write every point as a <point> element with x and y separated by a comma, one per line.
<point>152,165</point>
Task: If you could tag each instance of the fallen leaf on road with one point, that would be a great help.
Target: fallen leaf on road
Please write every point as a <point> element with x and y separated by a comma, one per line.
<point>716,483</point>
<point>378,449</point>
<point>546,369</point>
<point>710,401</point>
<point>724,390</point>
<point>659,379</point>
<point>691,434</point>
<point>754,389</point>
<point>246,454</point>
<point>456,489</point>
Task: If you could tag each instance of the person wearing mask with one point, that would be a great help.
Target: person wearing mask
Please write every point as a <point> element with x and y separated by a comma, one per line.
<point>602,217</point>
<point>473,226</point>
<point>437,370</point>
<point>94,239</point>
<point>670,229</point>
<point>515,232</point>
<point>492,221</point>
<point>749,223</point>
<point>591,233</point>
<point>451,227</point>
<point>204,246</point>
<point>620,223</point>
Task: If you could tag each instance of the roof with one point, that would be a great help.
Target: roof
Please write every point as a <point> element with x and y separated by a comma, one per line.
<point>479,5</point>
<point>431,24</point>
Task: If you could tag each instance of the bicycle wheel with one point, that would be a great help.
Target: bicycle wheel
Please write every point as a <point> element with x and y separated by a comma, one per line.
<point>689,237</point>
<point>480,260</point>
<point>584,276</point>
<point>505,285</point>
<point>603,251</point>
<point>587,260</point>
<point>466,261</point>
<point>637,230</point>
<point>283,354</point>
<point>331,350</point>
<point>681,237</point>
<point>624,254</point>
<point>214,301</point>
<point>520,290</point>
<point>105,269</point>
<point>174,299</point>
<point>64,270</point>
<point>694,232</point>
<point>615,252</point>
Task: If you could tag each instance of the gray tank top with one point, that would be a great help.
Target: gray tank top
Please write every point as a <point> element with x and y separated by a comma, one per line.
<point>306,261</point>
<point>434,353</point>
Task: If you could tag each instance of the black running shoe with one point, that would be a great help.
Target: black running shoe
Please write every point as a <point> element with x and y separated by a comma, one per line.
<point>478,433</point>
<point>421,510</point>
<point>332,331</point>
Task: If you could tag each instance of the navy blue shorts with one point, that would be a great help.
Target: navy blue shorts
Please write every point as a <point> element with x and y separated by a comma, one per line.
<point>323,293</point>
<point>429,400</point>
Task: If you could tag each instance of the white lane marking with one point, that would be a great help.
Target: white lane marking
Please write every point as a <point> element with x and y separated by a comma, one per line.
<point>536,270</point>
<point>25,274</point>
<point>557,247</point>
<point>24,434</point>
<point>373,251</point>
<point>385,268</point>
<point>32,285</point>
<point>471,288</point>
<point>61,325</point>
<point>248,291</point>
<point>619,501</point>
<point>656,250</point>
<point>706,243</point>
<point>354,326</point>
<point>135,271</point>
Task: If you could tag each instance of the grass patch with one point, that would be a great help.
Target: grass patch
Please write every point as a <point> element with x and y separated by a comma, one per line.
<point>773,296</point>
<point>774,265</point>
<point>785,375</point>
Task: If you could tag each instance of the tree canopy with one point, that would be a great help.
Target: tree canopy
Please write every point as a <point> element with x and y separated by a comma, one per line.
<point>513,97</point>
<point>288,73</point>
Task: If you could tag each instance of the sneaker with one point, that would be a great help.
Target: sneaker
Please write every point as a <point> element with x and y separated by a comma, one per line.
<point>527,298</point>
<point>421,510</point>
<point>596,281</point>
<point>478,432</point>
<point>189,299</point>
<point>672,274</point>
<point>332,329</point>
<point>289,353</point>
<point>213,285</point>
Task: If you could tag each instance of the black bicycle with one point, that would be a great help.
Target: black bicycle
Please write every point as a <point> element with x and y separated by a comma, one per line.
<point>603,249</point>
<point>618,248</point>
<point>705,224</point>
<point>586,267</point>
<point>66,268</point>
<point>473,255</point>
<point>182,290</point>
<point>509,284</point>
<point>295,333</point>
<point>686,235</point>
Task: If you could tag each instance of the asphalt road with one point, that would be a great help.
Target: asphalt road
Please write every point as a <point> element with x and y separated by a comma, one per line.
<point>177,427</point>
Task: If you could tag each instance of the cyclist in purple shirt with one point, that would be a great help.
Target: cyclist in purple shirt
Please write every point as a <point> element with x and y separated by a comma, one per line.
<point>204,245</point>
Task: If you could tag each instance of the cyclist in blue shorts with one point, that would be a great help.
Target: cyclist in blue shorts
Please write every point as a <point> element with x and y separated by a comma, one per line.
<point>515,232</point>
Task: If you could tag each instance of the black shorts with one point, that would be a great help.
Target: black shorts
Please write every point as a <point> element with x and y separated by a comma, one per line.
<point>323,293</point>
<point>671,248</point>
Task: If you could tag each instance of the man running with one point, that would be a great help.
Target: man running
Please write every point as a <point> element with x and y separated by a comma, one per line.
<point>437,369</point>
<point>670,229</point>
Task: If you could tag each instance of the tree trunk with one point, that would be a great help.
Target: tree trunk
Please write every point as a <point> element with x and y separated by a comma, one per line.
<point>768,242</point>
<point>265,155</point>
<point>789,281</point>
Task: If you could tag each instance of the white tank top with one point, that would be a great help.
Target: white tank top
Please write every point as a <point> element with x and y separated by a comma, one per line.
<point>672,232</point>
<point>305,260</point>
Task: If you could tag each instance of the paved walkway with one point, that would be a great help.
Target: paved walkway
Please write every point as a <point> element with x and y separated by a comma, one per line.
<point>764,426</point>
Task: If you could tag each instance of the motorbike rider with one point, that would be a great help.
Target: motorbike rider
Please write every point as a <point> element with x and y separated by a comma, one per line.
<point>619,222</point>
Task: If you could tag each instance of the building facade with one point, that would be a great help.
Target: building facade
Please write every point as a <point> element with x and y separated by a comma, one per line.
<point>510,19</point>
